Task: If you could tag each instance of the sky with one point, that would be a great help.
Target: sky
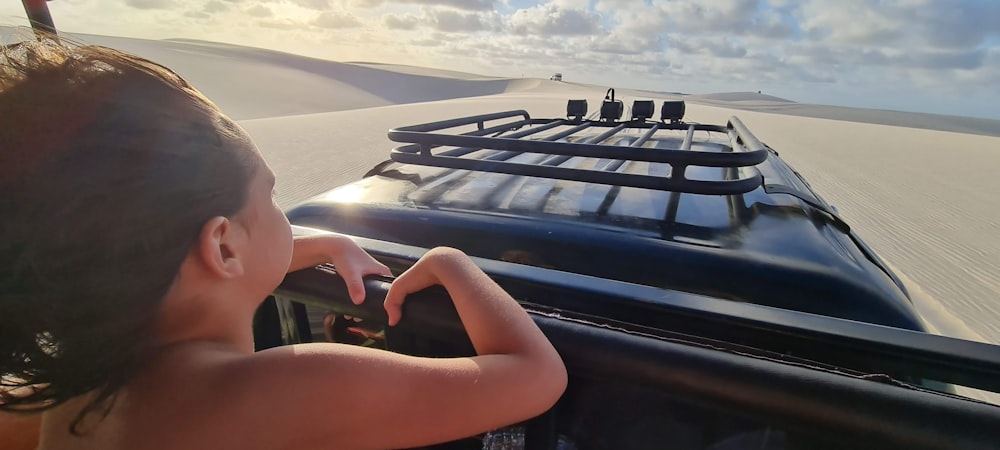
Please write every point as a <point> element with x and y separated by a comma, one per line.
<point>934,56</point>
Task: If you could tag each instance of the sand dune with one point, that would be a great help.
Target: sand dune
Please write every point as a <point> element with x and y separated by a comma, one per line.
<point>925,200</point>
<point>923,121</point>
<point>253,83</point>
<point>422,71</point>
<point>748,97</point>
<point>919,188</point>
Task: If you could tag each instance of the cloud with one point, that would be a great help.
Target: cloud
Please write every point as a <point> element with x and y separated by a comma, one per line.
<point>453,21</point>
<point>553,20</point>
<point>623,44</point>
<point>430,42</point>
<point>833,56</point>
<point>151,4</point>
<point>719,47</point>
<point>725,48</point>
<point>444,20</point>
<point>335,20</point>
<point>937,59</point>
<point>260,11</point>
<point>214,6</point>
<point>721,16</point>
<point>469,5</point>
<point>319,5</point>
<point>772,24</point>
<point>280,24</point>
<point>955,24</point>
<point>849,25</point>
<point>934,23</point>
<point>400,21</point>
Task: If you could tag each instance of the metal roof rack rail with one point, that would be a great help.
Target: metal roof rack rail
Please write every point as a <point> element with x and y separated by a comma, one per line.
<point>510,140</point>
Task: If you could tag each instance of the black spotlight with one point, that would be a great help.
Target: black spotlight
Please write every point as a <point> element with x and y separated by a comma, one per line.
<point>576,109</point>
<point>642,109</point>
<point>611,110</point>
<point>672,111</point>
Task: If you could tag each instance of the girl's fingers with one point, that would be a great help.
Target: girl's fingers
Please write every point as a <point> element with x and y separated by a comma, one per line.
<point>394,306</point>
<point>380,269</point>
<point>356,283</point>
<point>356,289</point>
<point>402,286</point>
<point>414,279</point>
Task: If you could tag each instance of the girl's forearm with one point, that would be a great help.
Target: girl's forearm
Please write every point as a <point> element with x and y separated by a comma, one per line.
<point>495,322</point>
<point>498,325</point>
<point>313,250</point>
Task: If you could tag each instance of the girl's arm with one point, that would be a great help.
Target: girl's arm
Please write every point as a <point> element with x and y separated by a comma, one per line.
<point>496,324</point>
<point>355,397</point>
<point>350,260</point>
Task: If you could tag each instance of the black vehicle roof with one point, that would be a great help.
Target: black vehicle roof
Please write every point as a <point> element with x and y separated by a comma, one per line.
<point>775,244</point>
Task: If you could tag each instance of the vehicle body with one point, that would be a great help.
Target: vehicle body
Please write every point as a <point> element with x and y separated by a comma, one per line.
<point>556,77</point>
<point>755,233</point>
<point>701,294</point>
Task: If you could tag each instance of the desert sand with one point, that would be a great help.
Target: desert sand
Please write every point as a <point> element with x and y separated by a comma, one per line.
<point>918,188</point>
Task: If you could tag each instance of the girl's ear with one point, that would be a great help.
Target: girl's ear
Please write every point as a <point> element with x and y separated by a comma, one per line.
<point>218,246</point>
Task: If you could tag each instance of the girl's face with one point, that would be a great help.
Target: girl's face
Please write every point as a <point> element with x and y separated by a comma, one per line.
<point>268,234</point>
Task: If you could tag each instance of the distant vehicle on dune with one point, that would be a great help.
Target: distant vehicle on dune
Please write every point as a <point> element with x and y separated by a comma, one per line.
<point>556,77</point>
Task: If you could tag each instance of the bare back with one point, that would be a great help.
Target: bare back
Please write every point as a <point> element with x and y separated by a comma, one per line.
<point>174,403</point>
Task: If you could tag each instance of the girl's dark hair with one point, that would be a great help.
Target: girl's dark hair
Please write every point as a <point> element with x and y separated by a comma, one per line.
<point>109,167</point>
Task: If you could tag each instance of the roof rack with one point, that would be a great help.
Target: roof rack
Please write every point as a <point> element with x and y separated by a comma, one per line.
<point>510,140</point>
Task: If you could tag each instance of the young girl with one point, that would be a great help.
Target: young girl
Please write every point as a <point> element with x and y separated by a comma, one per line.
<point>139,236</point>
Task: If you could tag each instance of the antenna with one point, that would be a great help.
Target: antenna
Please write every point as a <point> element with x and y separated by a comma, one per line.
<point>40,18</point>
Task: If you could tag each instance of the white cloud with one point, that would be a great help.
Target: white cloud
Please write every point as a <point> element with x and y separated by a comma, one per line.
<point>445,20</point>
<point>717,17</point>
<point>718,46</point>
<point>151,4</point>
<point>623,44</point>
<point>850,23</point>
<point>551,19</point>
<point>455,21</point>
<point>280,24</point>
<point>400,21</point>
<point>319,5</point>
<point>260,11</point>
<point>933,23</point>
<point>470,5</point>
<point>336,19</point>
<point>214,6</point>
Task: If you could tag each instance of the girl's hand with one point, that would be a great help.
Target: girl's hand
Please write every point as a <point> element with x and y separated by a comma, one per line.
<point>353,263</point>
<point>423,274</point>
